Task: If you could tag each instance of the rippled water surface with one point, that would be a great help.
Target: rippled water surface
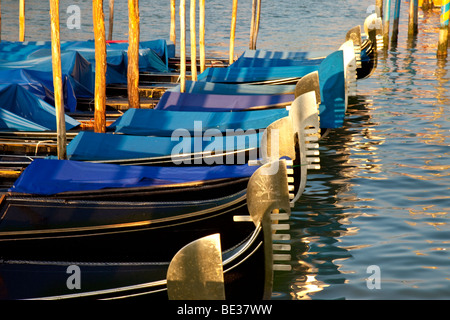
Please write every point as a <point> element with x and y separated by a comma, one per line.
<point>381,197</point>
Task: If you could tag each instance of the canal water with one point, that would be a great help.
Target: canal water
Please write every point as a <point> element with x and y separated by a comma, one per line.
<point>373,222</point>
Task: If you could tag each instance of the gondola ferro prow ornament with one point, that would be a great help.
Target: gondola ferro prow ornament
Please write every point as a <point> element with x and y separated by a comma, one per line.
<point>373,28</point>
<point>268,203</point>
<point>295,137</point>
<point>354,34</point>
<point>196,271</point>
<point>350,68</point>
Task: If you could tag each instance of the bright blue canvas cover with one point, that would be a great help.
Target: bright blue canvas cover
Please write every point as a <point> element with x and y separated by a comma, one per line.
<point>23,111</point>
<point>248,75</point>
<point>30,65</point>
<point>148,122</point>
<point>331,79</point>
<point>35,74</point>
<point>48,176</point>
<point>233,89</point>
<point>286,55</point>
<point>176,101</point>
<point>91,146</point>
<point>12,122</point>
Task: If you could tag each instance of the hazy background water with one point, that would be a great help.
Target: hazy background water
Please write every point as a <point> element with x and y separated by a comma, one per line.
<point>382,194</point>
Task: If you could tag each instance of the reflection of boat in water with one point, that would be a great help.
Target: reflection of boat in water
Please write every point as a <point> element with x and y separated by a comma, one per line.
<point>322,215</point>
<point>430,4</point>
<point>124,248</point>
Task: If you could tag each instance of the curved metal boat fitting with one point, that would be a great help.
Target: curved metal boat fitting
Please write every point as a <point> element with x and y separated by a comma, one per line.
<point>308,83</point>
<point>304,114</point>
<point>196,271</point>
<point>350,68</point>
<point>267,195</point>
<point>354,34</point>
<point>373,27</point>
<point>295,137</point>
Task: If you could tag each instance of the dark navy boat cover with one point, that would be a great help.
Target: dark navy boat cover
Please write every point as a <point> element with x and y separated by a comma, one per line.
<point>48,176</point>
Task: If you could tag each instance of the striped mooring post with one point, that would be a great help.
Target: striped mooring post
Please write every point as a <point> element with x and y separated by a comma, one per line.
<point>396,22</point>
<point>443,32</point>
<point>386,22</point>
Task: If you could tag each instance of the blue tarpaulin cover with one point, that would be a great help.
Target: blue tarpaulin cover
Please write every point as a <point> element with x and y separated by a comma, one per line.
<point>91,146</point>
<point>331,79</point>
<point>30,65</point>
<point>148,122</point>
<point>264,58</point>
<point>176,101</point>
<point>48,176</point>
<point>233,89</point>
<point>20,110</point>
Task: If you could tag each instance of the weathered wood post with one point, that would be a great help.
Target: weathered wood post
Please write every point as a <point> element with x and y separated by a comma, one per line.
<point>57,81</point>
<point>252,25</point>
<point>202,35</point>
<point>233,30</point>
<point>386,22</point>
<point>256,30</point>
<point>413,17</point>
<point>173,34</point>
<point>133,54</point>
<point>100,67</point>
<point>111,19</point>
<point>22,20</point>
<point>443,31</point>
<point>379,4</point>
<point>193,41</point>
<point>394,38</point>
<point>182,45</point>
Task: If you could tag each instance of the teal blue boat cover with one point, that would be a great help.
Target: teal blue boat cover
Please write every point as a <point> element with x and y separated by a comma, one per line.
<point>49,176</point>
<point>151,122</point>
<point>20,110</point>
<point>233,89</point>
<point>331,79</point>
<point>91,146</point>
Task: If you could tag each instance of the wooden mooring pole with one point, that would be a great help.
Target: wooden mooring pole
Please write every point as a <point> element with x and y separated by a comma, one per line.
<point>202,35</point>
<point>111,19</point>
<point>386,22</point>
<point>193,40</point>
<point>394,37</point>
<point>100,67</point>
<point>173,34</point>
<point>133,54</point>
<point>57,81</point>
<point>182,45</point>
<point>233,30</point>
<point>443,31</point>
<point>22,20</point>
<point>254,26</point>
<point>413,17</point>
<point>379,4</point>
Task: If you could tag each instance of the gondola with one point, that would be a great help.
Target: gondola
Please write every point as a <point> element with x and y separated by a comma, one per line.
<point>334,89</point>
<point>123,249</point>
